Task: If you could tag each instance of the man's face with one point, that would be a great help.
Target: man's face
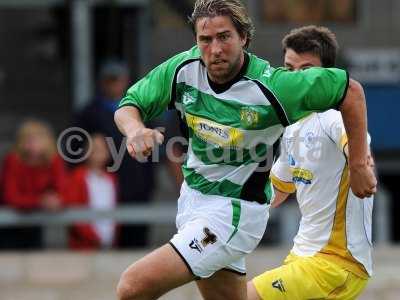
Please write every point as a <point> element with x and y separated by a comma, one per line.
<point>294,61</point>
<point>221,47</point>
<point>114,87</point>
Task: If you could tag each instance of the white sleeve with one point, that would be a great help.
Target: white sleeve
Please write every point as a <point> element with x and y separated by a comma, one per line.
<point>281,173</point>
<point>332,123</point>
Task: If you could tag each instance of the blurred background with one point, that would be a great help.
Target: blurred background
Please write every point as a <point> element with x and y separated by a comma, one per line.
<point>69,223</point>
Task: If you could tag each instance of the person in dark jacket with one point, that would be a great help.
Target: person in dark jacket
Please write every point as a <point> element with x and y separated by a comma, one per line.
<point>135,179</point>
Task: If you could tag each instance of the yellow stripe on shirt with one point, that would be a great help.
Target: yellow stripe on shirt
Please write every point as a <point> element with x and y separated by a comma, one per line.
<point>343,141</point>
<point>336,250</point>
<point>283,186</point>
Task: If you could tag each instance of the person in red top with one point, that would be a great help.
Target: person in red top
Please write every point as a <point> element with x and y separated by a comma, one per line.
<point>91,186</point>
<point>34,178</point>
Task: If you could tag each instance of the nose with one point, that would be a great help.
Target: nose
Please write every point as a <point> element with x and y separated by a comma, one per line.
<point>216,48</point>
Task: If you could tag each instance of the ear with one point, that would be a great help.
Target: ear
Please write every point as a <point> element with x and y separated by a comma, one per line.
<point>243,40</point>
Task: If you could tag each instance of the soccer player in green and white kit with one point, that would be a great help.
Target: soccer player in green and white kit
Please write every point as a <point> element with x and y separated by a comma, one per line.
<point>236,107</point>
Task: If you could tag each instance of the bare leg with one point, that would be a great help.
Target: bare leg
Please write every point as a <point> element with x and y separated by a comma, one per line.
<point>152,276</point>
<point>252,293</point>
<point>223,285</point>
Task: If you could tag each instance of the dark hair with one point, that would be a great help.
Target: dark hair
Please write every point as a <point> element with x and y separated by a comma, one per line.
<point>231,8</point>
<point>317,40</point>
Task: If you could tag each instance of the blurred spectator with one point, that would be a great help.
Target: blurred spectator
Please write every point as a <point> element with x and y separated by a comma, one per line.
<point>92,186</point>
<point>135,179</point>
<point>34,178</point>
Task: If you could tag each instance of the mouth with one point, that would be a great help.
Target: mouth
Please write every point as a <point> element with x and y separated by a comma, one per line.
<point>218,62</point>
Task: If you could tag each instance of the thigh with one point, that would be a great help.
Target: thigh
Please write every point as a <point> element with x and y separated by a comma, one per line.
<point>223,285</point>
<point>304,278</point>
<point>202,245</point>
<point>157,273</point>
<point>353,287</point>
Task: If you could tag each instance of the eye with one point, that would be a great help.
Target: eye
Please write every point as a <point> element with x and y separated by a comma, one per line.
<point>289,67</point>
<point>205,39</point>
<point>224,37</point>
<point>306,67</point>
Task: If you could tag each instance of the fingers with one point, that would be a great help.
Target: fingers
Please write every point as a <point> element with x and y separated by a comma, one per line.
<point>141,143</point>
<point>363,181</point>
<point>158,137</point>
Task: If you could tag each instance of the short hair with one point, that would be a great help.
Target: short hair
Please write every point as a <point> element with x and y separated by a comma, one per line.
<point>318,40</point>
<point>113,68</point>
<point>234,9</point>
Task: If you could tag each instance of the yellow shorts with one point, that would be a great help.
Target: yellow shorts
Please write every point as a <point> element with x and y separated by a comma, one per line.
<point>301,278</point>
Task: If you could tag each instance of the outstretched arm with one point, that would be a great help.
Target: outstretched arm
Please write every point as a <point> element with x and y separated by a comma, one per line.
<point>354,112</point>
<point>140,140</point>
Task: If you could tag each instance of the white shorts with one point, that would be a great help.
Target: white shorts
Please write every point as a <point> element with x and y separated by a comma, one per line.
<point>216,232</point>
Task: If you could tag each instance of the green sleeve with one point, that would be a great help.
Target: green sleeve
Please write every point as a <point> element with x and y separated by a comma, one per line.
<point>313,90</point>
<point>152,94</point>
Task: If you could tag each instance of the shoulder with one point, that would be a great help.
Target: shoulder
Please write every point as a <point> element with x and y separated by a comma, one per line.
<point>57,160</point>
<point>330,117</point>
<point>111,176</point>
<point>12,160</point>
<point>185,57</point>
<point>79,173</point>
<point>258,68</point>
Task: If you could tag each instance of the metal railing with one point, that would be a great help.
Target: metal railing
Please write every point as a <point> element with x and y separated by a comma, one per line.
<point>55,224</point>
<point>132,214</point>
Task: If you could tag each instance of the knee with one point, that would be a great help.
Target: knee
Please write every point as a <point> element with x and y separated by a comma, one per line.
<point>129,288</point>
<point>126,289</point>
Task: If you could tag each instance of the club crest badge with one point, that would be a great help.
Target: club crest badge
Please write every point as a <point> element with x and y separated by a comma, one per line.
<point>249,117</point>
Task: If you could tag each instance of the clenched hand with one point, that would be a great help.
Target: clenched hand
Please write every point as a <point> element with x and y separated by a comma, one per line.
<point>141,142</point>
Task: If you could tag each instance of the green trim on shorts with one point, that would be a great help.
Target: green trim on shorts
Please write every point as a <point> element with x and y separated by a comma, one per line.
<point>236,210</point>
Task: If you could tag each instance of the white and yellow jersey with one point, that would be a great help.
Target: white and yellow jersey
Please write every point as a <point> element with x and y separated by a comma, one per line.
<point>335,223</point>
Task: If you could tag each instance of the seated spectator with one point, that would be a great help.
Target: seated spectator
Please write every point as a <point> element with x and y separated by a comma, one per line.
<point>91,186</point>
<point>34,179</point>
<point>136,181</point>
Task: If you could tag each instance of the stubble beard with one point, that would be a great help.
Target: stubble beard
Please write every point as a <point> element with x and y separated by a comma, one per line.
<point>228,73</point>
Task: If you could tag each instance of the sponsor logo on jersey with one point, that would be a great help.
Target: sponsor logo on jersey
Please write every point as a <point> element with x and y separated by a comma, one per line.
<point>292,162</point>
<point>309,140</point>
<point>248,117</point>
<point>216,134</point>
<point>267,72</point>
<point>195,245</point>
<point>278,284</point>
<point>302,175</point>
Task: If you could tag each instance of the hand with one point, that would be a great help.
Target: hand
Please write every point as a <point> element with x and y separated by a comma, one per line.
<point>141,142</point>
<point>362,179</point>
<point>51,202</point>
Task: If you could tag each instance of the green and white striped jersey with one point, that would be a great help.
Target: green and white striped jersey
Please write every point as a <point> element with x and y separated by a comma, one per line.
<point>232,128</point>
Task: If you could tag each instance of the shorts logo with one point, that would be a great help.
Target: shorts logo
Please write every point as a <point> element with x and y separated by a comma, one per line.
<point>278,284</point>
<point>195,245</point>
<point>210,238</point>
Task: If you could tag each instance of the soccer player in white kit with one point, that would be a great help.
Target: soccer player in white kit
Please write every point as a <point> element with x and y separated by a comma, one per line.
<point>331,256</point>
